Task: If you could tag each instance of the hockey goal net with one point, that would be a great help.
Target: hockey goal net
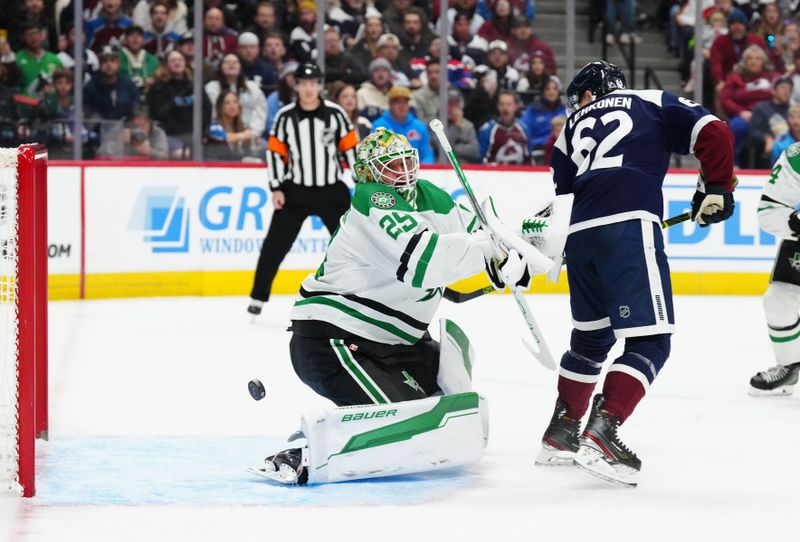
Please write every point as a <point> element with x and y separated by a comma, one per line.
<point>23,314</point>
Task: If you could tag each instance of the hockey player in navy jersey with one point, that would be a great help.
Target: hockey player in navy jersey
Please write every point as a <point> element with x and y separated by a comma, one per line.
<point>613,154</point>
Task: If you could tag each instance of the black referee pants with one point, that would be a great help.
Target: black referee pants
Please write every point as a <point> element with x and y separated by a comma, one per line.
<point>327,202</point>
<point>351,370</point>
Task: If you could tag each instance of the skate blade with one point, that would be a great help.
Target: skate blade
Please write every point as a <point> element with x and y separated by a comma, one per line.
<point>594,462</point>
<point>285,475</point>
<point>782,391</point>
<point>552,457</point>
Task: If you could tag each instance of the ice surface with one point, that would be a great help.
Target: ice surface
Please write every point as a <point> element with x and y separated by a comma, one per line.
<point>152,429</point>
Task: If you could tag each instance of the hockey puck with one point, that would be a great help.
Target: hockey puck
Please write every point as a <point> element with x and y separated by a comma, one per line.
<point>256,389</point>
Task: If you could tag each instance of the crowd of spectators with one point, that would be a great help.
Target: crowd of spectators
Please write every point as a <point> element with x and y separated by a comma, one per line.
<point>751,69</point>
<point>381,65</point>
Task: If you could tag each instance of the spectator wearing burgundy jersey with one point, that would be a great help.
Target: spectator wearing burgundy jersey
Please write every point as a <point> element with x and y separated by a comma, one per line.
<point>727,50</point>
<point>218,39</point>
<point>503,140</point>
<point>744,88</point>
<point>159,39</point>
<point>109,24</point>
<point>533,80</point>
<point>523,43</point>
<point>499,26</point>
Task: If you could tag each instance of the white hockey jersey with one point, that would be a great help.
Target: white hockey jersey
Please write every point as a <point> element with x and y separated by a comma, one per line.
<point>781,194</point>
<point>387,264</point>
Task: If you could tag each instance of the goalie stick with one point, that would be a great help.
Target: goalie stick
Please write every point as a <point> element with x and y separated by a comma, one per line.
<point>539,348</point>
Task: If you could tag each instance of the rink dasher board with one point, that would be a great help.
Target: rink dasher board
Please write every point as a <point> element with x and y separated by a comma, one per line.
<point>125,230</point>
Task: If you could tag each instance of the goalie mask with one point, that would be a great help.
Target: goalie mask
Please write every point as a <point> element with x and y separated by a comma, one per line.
<point>387,157</point>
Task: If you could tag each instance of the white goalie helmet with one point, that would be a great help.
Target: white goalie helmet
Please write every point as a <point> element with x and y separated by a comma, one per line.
<point>387,157</point>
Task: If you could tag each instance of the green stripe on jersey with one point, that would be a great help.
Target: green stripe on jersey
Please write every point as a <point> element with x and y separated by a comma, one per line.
<point>386,326</point>
<point>461,340</point>
<point>785,339</point>
<point>424,260</point>
<point>366,383</point>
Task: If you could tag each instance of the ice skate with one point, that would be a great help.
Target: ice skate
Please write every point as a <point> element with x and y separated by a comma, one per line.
<point>775,381</point>
<point>602,453</point>
<point>560,440</point>
<point>255,307</point>
<point>286,467</point>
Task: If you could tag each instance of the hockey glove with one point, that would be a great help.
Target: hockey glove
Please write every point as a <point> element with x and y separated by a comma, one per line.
<point>711,203</point>
<point>794,222</point>
<point>513,270</point>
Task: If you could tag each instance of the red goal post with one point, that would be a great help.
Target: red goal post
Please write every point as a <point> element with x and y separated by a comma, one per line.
<point>23,314</point>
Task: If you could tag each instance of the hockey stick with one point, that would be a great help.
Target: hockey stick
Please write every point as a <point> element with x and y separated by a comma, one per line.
<point>460,297</point>
<point>539,348</point>
<point>677,219</point>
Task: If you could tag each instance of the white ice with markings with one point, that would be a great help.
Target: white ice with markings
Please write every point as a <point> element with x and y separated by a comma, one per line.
<point>152,429</point>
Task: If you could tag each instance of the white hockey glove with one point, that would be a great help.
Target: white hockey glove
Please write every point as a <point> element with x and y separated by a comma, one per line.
<point>512,270</point>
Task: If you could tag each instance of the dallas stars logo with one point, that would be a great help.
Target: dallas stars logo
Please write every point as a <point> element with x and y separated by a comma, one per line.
<point>794,261</point>
<point>413,384</point>
<point>793,150</point>
<point>382,200</point>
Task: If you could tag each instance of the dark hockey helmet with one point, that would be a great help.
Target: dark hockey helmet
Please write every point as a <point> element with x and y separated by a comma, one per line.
<point>598,77</point>
<point>308,70</point>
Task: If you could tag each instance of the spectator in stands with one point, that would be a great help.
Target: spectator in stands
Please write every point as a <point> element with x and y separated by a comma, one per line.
<point>389,49</point>
<point>185,47</point>
<point>532,83</point>
<point>523,43</point>
<point>416,38</point>
<point>769,122</point>
<point>34,62</point>
<point>498,27</point>
<point>497,60</point>
<point>791,136</point>
<point>33,11</point>
<point>136,138</point>
<point>218,39</point>
<point>8,60</point>
<point>229,18</point>
<point>285,93</point>
<point>90,61</point>
<point>303,39</point>
<point>110,95</point>
<point>467,8</point>
<point>744,88</point>
<point>519,8</point>
<point>503,140</point>
<point>344,94</point>
<point>791,44</point>
<point>254,67</point>
<point>537,116</point>
<point>350,17</point>
<point>274,51</point>
<point>237,140</point>
<point>460,131</point>
<point>265,21</point>
<point>398,118</point>
<point>8,106</point>
<point>59,108</point>
<point>770,26</point>
<point>556,125</point>
<point>714,26</point>
<point>373,94</point>
<point>135,63</point>
<point>339,65</point>
<point>624,13</point>
<point>109,24</point>
<point>176,14</point>
<point>482,101</point>
<point>366,48</point>
<point>393,16</point>
<point>170,100</point>
<point>463,43</point>
<point>159,39</point>
<point>726,51</point>
<point>426,98</point>
<point>250,98</point>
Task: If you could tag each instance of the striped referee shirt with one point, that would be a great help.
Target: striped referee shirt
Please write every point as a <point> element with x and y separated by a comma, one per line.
<point>308,148</point>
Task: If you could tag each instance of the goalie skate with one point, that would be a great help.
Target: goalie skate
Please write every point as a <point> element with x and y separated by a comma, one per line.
<point>286,467</point>
<point>602,453</point>
<point>560,439</point>
<point>775,381</point>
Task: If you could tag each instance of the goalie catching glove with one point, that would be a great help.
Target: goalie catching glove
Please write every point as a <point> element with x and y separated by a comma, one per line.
<point>712,202</point>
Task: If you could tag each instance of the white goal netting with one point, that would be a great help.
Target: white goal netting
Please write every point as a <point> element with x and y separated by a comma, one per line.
<point>9,472</point>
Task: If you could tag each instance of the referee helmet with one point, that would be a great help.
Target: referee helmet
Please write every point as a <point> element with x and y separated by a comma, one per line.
<point>308,70</point>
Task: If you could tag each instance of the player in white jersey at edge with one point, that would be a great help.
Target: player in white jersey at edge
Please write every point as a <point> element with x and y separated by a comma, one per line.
<point>613,154</point>
<point>360,330</point>
<point>778,215</point>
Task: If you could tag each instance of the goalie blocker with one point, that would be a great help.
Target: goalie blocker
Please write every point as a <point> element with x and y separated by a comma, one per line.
<point>393,438</point>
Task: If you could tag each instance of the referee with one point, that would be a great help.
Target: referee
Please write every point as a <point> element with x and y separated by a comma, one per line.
<point>309,140</point>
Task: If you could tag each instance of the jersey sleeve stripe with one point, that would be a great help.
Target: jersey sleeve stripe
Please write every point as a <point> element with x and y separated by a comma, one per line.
<point>406,257</point>
<point>372,304</point>
<point>424,260</point>
<point>696,130</point>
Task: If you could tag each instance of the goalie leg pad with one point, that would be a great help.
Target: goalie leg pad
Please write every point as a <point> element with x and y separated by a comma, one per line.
<point>781,306</point>
<point>353,443</point>
<point>456,358</point>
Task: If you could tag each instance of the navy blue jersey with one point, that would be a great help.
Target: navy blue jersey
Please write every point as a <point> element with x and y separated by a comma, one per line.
<point>613,154</point>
